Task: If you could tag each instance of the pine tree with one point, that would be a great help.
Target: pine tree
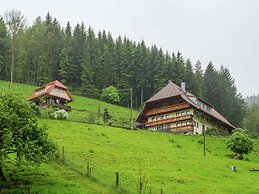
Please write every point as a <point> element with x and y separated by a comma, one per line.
<point>189,76</point>
<point>4,51</point>
<point>199,82</point>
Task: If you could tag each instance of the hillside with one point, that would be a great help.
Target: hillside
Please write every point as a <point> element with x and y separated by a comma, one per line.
<point>174,163</point>
<point>81,106</point>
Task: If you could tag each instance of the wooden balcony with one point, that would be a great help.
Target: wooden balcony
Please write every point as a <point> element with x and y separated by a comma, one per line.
<point>169,120</point>
<point>167,109</point>
<point>182,129</point>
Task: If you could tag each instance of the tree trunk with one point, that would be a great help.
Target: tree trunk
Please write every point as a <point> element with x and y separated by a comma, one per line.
<point>13,55</point>
<point>2,177</point>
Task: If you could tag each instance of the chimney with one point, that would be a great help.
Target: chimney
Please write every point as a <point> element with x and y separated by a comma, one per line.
<point>183,86</point>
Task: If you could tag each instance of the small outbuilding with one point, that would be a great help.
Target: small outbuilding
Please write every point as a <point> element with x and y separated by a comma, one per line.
<point>53,94</point>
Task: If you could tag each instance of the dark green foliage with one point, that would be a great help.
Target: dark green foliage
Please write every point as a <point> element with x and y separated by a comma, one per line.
<point>35,108</point>
<point>20,133</point>
<point>106,116</point>
<point>4,50</point>
<point>251,121</point>
<point>240,144</point>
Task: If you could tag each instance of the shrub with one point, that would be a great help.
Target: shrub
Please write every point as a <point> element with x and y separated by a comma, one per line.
<point>240,144</point>
<point>35,108</point>
<point>212,131</point>
<point>110,94</point>
<point>57,114</point>
<point>91,118</point>
<point>50,112</point>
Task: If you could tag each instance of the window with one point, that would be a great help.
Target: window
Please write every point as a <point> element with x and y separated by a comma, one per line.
<point>183,113</point>
<point>60,91</point>
<point>178,124</point>
<point>153,118</point>
<point>197,125</point>
<point>188,112</point>
<point>177,114</point>
<point>188,122</point>
<point>183,123</point>
<point>166,116</point>
<point>160,127</point>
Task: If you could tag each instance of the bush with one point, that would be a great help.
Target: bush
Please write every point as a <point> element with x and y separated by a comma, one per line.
<point>240,144</point>
<point>212,131</point>
<point>111,95</point>
<point>50,112</point>
<point>91,118</point>
<point>54,113</point>
<point>35,108</point>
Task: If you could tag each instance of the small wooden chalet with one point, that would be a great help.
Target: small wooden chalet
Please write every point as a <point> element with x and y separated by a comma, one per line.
<point>175,110</point>
<point>52,94</point>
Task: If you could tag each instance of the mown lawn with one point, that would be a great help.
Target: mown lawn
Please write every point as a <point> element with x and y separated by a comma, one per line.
<point>173,163</point>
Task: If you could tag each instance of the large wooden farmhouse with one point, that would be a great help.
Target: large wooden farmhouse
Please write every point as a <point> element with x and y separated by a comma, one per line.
<point>52,94</point>
<point>175,110</point>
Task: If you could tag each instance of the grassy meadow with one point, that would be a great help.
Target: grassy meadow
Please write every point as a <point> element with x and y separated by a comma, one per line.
<point>173,163</point>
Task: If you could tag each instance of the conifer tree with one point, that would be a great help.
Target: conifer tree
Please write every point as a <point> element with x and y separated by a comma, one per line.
<point>4,50</point>
<point>199,82</point>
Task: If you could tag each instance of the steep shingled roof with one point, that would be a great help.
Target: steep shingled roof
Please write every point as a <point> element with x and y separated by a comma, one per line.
<point>48,88</point>
<point>172,90</point>
<point>168,91</point>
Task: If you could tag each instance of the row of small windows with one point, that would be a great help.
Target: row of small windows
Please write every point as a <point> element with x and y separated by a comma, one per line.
<point>183,123</point>
<point>160,117</point>
<point>163,127</point>
<point>183,113</point>
<point>201,104</point>
<point>166,116</point>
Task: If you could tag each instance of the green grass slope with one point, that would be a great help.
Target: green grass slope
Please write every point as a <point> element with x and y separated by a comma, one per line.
<point>81,106</point>
<point>174,163</point>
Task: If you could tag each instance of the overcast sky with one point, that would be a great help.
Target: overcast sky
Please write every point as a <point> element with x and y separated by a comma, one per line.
<point>225,32</point>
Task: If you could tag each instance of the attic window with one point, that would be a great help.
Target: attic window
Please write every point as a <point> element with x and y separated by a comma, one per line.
<point>60,91</point>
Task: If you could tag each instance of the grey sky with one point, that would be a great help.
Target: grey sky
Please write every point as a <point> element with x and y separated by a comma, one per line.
<point>223,31</point>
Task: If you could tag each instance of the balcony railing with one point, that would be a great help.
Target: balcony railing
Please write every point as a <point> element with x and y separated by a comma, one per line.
<point>169,120</point>
<point>182,129</point>
<point>167,109</point>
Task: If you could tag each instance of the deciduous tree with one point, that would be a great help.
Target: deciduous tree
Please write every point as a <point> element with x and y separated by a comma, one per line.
<point>20,134</point>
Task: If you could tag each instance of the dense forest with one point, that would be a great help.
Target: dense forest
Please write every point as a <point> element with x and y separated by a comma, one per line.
<point>88,61</point>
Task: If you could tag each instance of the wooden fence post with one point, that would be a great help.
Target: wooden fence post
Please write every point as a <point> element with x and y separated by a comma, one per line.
<point>88,169</point>
<point>150,191</point>
<point>63,155</point>
<point>161,191</point>
<point>117,179</point>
